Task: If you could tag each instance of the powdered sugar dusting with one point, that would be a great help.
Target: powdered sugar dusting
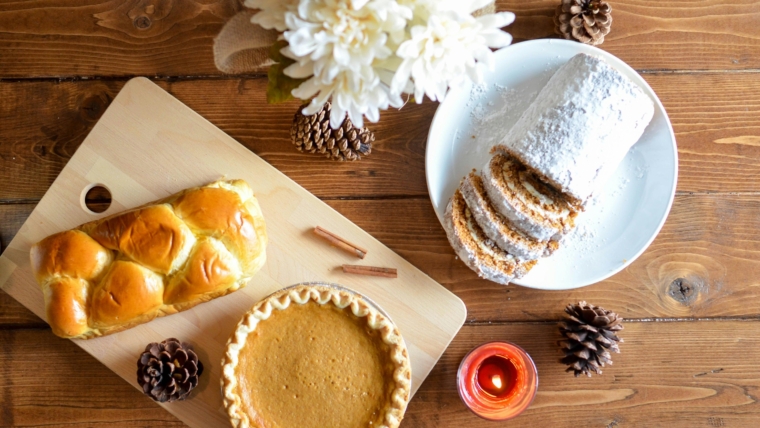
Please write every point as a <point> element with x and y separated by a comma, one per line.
<point>622,214</point>
<point>494,110</point>
<point>565,133</point>
<point>592,233</point>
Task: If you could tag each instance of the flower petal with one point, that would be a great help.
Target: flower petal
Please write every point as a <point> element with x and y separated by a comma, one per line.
<point>337,116</point>
<point>298,71</point>
<point>496,20</point>
<point>306,90</point>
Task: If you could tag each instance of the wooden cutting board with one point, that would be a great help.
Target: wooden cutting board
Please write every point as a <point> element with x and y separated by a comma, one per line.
<point>149,145</point>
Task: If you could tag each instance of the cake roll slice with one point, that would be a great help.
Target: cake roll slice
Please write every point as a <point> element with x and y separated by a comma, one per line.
<point>496,227</point>
<point>580,126</point>
<point>475,249</point>
<point>531,206</point>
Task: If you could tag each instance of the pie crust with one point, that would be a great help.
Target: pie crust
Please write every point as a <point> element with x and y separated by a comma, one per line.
<point>394,351</point>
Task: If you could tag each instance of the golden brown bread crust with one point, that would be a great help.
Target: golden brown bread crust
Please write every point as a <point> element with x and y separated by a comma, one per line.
<point>168,256</point>
<point>127,292</point>
<point>153,236</point>
<point>214,211</point>
<point>48,258</point>
<point>209,268</point>
<point>66,309</point>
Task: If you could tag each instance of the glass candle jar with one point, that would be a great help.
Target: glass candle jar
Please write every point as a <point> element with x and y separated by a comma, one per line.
<point>497,380</point>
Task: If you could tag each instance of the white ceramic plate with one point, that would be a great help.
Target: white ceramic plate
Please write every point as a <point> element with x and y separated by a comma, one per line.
<point>626,215</point>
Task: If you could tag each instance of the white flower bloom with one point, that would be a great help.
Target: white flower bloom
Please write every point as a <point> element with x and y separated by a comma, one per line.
<point>342,47</point>
<point>272,12</point>
<point>424,9</point>
<point>451,45</point>
<point>363,54</point>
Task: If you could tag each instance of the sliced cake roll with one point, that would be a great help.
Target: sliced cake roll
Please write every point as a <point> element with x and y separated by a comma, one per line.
<point>531,206</point>
<point>580,126</point>
<point>496,227</point>
<point>478,252</point>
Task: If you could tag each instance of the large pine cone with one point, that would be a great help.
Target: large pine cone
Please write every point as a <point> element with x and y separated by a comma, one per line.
<point>590,334</point>
<point>313,134</point>
<point>586,21</point>
<point>169,370</point>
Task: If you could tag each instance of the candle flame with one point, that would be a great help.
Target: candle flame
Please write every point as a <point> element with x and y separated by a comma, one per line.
<point>496,380</point>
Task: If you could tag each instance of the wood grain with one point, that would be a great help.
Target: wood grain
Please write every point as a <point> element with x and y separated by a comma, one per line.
<point>684,374</point>
<point>44,123</point>
<point>716,118</point>
<point>106,38</point>
<point>48,381</point>
<point>704,263</point>
<point>658,35</point>
<point>662,377</point>
<point>14,315</point>
<point>175,37</point>
<point>693,269</point>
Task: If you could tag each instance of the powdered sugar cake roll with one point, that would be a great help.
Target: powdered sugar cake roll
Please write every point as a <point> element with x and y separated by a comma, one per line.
<point>580,126</point>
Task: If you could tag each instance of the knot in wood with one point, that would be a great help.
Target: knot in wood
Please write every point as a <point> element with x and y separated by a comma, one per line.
<point>682,291</point>
<point>92,108</point>
<point>142,22</point>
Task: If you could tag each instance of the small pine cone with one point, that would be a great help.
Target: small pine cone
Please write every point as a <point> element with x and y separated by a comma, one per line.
<point>168,371</point>
<point>586,21</point>
<point>313,134</point>
<point>590,333</point>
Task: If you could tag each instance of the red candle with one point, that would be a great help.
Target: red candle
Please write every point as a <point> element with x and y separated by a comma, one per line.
<point>497,380</point>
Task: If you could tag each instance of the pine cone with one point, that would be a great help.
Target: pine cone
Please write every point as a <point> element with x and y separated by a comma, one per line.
<point>313,134</point>
<point>168,371</point>
<point>590,332</point>
<point>586,21</point>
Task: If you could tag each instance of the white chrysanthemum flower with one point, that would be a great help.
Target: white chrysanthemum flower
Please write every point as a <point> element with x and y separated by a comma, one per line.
<point>343,48</point>
<point>451,45</point>
<point>363,54</point>
<point>271,13</point>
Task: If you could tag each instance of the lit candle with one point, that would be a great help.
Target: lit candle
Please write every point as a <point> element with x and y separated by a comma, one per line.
<point>497,380</point>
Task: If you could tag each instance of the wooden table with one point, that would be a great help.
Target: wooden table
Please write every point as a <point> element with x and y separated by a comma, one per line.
<point>691,355</point>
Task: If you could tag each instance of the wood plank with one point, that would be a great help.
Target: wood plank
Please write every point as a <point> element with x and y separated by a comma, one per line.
<point>655,35</point>
<point>43,124</point>
<point>107,38</point>
<point>716,118</point>
<point>662,374</point>
<point>704,263</point>
<point>46,381</point>
<point>11,218</point>
<point>110,38</point>
<point>12,313</point>
<point>667,374</point>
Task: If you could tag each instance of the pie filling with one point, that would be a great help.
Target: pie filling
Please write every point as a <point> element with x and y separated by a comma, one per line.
<point>315,365</point>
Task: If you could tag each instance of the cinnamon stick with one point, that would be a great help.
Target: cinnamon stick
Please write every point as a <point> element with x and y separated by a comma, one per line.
<point>339,242</point>
<point>371,270</point>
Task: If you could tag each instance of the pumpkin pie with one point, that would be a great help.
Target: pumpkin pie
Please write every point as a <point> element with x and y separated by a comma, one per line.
<point>315,356</point>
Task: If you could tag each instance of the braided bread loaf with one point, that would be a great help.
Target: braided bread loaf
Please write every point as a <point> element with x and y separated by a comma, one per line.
<point>115,273</point>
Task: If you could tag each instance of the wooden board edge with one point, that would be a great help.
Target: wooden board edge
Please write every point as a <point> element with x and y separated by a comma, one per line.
<point>7,267</point>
